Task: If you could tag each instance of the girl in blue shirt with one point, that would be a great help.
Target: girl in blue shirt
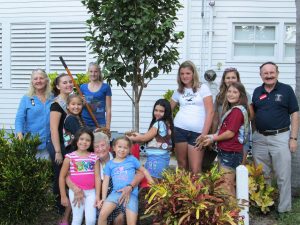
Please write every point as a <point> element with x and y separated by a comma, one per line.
<point>159,138</point>
<point>34,111</point>
<point>122,171</point>
<point>98,95</point>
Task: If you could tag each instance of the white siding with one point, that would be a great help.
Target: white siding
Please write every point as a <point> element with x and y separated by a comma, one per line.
<point>0,55</point>
<point>36,32</point>
<point>227,12</point>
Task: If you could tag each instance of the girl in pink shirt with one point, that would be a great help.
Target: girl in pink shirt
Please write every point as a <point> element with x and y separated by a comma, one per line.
<point>83,168</point>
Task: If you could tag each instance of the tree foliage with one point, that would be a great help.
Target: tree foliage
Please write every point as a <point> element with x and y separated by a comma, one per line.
<point>134,39</point>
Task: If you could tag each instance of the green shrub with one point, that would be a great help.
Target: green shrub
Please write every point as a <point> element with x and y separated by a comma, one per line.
<point>168,96</point>
<point>25,190</point>
<point>181,198</point>
<point>81,78</point>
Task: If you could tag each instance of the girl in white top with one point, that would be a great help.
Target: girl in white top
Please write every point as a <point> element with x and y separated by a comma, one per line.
<point>194,117</point>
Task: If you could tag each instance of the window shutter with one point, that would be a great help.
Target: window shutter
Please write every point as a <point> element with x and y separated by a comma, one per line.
<point>67,40</point>
<point>0,55</point>
<point>28,51</point>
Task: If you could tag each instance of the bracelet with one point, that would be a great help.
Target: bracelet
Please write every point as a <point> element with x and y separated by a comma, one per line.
<point>214,137</point>
<point>293,138</point>
<point>129,185</point>
<point>57,152</point>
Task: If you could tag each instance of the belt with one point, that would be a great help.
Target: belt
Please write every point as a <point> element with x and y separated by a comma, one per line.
<point>273,132</point>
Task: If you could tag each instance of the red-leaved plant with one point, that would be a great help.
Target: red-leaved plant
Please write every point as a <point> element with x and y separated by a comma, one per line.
<point>181,198</point>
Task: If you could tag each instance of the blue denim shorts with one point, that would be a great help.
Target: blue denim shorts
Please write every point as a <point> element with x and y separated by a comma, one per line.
<point>132,205</point>
<point>182,135</point>
<point>230,160</point>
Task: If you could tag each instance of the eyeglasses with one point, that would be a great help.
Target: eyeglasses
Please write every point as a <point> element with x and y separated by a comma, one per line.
<point>230,69</point>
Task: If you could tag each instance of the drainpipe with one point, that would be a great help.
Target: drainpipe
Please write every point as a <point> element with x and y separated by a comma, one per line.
<point>202,40</point>
<point>210,32</point>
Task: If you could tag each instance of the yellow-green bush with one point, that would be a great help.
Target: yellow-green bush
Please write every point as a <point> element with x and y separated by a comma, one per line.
<point>261,194</point>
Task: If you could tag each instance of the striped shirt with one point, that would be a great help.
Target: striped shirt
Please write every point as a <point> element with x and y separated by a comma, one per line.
<point>82,170</point>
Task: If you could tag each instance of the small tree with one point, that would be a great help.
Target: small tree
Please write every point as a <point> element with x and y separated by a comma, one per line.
<point>135,40</point>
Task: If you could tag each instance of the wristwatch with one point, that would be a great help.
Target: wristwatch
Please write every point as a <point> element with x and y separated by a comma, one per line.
<point>129,185</point>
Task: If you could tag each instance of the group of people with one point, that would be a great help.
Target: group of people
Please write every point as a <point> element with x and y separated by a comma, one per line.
<point>83,162</point>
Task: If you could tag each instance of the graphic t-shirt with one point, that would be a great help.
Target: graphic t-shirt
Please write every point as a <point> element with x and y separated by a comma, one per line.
<point>122,173</point>
<point>191,114</point>
<point>82,170</point>
<point>97,101</point>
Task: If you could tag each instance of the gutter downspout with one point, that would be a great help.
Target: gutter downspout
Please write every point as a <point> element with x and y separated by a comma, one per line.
<point>210,32</point>
<point>202,64</point>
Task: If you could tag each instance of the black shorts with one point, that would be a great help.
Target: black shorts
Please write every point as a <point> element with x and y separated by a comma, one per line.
<point>182,135</point>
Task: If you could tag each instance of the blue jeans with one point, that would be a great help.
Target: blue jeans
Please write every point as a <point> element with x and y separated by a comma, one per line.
<point>132,205</point>
<point>56,170</point>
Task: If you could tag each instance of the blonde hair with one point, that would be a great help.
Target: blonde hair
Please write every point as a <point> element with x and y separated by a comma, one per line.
<point>31,90</point>
<point>98,68</point>
<point>195,81</point>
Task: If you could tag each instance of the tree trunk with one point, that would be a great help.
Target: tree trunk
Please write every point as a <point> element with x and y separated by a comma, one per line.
<point>296,156</point>
<point>136,110</point>
<point>135,97</point>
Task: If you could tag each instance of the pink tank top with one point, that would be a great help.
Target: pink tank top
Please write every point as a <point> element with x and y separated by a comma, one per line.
<point>82,170</point>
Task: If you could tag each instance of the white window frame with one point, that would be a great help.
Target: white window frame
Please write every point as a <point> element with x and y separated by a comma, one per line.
<point>288,42</point>
<point>279,54</point>
<point>251,58</point>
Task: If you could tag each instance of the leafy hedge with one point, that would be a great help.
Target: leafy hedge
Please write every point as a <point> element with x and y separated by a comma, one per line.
<point>25,182</point>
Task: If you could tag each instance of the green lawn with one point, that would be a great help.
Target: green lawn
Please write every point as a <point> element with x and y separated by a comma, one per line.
<point>292,218</point>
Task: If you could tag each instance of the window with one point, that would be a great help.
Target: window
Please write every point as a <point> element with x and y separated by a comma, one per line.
<point>254,40</point>
<point>289,40</point>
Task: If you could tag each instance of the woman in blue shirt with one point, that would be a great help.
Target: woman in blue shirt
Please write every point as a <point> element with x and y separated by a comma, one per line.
<point>98,96</point>
<point>34,111</point>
